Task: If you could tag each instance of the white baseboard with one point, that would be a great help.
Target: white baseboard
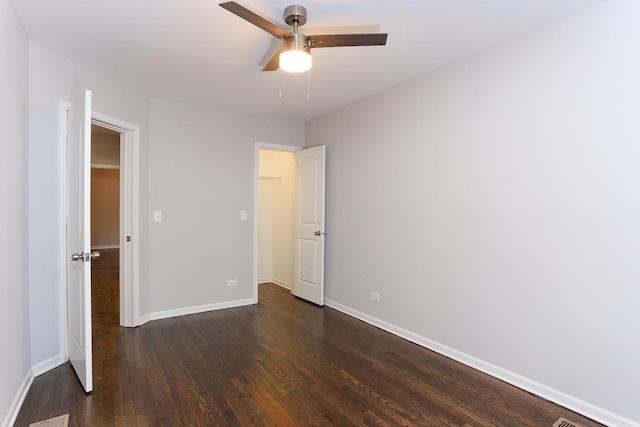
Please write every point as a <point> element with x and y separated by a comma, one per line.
<point>577,405</point>
<point>145,318</point>
<point>48,365</point>
<point>37,369</point>
<point>281,283</point>
<point>195,309</point>
<point>10,419</point>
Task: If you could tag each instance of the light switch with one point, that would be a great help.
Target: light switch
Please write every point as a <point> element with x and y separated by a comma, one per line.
<point>243,215</point>
<point>157,216</point>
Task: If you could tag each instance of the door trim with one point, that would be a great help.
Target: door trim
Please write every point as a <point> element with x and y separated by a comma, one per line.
<point>63,106</point>
<point>256,163</point>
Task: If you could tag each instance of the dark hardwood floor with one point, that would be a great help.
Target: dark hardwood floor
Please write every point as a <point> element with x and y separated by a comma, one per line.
<point>282,362</point>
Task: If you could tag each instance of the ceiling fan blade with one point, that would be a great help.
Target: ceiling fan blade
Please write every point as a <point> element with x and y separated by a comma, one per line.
<point>255,19</point>
<point>274,62</point>
<point>336,40</point>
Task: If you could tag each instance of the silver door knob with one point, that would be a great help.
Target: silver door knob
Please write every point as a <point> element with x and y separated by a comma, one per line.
<point>319,233</point>
<point>85,257</point>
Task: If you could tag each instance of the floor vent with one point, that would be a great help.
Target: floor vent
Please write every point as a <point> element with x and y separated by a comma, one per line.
<point>564,423</point>
<point>61,421</point>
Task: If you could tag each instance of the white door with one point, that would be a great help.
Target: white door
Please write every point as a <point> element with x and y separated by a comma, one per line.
<point>309,229</point>
<point>78,239</point>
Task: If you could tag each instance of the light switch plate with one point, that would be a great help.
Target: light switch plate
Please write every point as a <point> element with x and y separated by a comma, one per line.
<point>243,215</point>
<point>157,216</point>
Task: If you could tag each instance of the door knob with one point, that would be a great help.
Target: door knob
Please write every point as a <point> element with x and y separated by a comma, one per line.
<point>85,257</point>
<point>319,233</point>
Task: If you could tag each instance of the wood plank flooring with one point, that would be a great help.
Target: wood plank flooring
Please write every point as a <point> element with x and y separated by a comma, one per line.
<point>282,362</point>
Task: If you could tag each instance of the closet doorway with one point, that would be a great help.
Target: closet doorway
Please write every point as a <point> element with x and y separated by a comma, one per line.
<point>289,220</point>
<point>276,215</point>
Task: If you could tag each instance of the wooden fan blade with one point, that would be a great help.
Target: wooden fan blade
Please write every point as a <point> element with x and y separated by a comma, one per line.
<point>255,19</point>
<point>336,40</point>
<point>274,62</point>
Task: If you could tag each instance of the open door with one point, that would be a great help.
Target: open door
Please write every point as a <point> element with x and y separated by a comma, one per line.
<point>309,228</point>
<point>79,254</point>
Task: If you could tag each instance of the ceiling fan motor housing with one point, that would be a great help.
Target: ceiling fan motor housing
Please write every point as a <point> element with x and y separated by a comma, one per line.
<point>295,13</point>
<point>297,42</point>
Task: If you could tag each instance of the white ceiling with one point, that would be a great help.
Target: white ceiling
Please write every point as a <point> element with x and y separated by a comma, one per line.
<point>196,52</point>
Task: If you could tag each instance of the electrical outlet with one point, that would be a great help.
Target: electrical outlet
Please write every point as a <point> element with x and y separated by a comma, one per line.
<point>232,282</point>
<point>374,296</point>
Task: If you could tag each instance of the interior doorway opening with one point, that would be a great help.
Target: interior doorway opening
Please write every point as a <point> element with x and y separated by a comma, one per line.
<point>308,220</point>
<point>75,121</point>
<point>105,226</point>
<point>128,211</point>
<point>276,195</point>
<point>274,215</point>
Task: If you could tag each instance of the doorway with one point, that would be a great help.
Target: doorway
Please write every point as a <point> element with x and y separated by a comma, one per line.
<point>128,210</point>
<point>105,227</point>
<point>307,224</point>
<point>274,215</point>
<point>75,135</point>
<point>276,194</point>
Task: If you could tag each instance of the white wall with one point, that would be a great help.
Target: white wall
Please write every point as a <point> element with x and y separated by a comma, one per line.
<point>276,198</point>
<point>494,206</point>
<point>105,189</point>
<point>105,148</point>
<point>15,359</point>
<point>52,78</point>
<point>105,208</point>
<point>201,166</point>
<point>265,229</point>
<point>196,165</point>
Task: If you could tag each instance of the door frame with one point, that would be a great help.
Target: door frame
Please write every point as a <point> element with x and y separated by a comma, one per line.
<point>256,164</point>
<point>129,219</point>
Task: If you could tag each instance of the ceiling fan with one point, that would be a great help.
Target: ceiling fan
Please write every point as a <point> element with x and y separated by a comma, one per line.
<point>294,53</point>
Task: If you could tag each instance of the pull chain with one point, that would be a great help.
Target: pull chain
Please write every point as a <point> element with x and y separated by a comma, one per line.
<point>308,85</point>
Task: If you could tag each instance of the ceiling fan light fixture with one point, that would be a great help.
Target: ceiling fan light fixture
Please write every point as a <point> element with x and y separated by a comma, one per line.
<point>296,56</point>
